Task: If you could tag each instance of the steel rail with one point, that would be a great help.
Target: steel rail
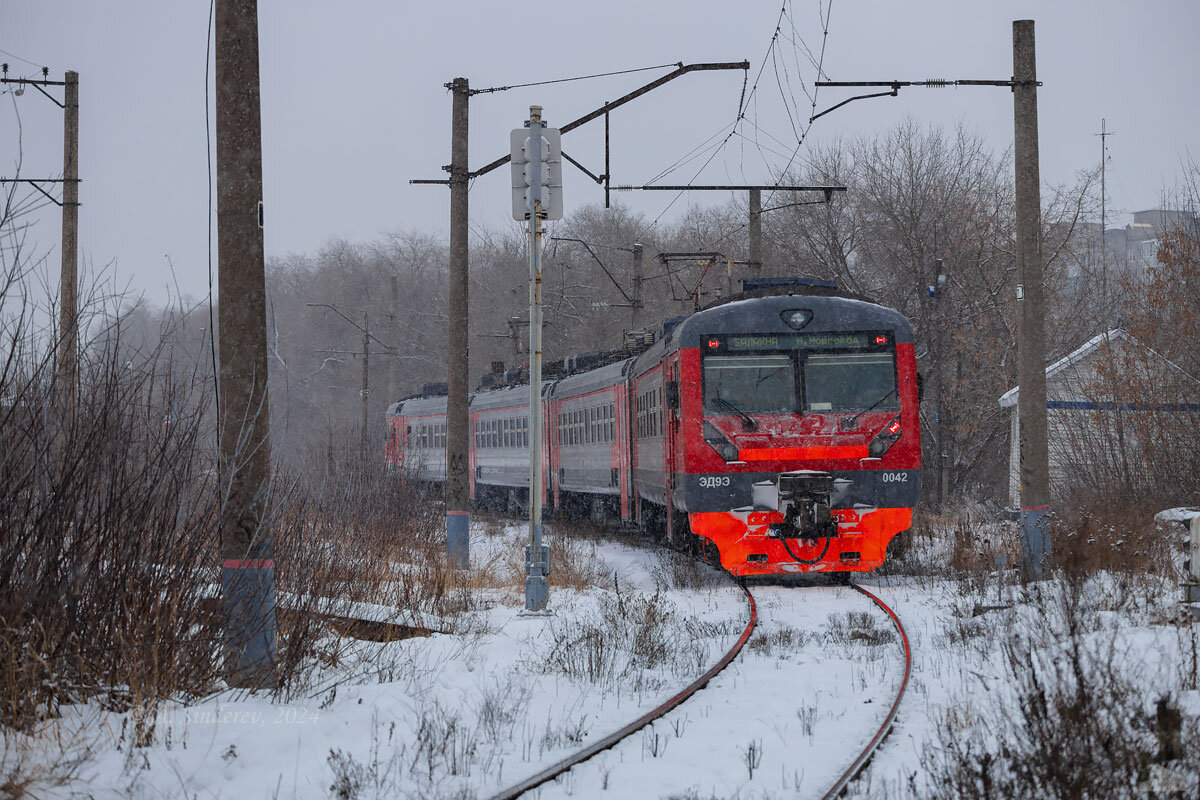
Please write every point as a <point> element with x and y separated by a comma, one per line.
<point>867,752</point>
<point>552,772</point>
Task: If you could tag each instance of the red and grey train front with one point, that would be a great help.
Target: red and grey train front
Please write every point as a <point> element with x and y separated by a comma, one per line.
<point>800,444</point>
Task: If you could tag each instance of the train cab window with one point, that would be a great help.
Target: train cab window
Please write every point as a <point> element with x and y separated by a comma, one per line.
<point>850,382</point>
<point>751,384</point>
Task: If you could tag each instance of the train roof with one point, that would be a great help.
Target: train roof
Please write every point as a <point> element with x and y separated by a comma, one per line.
<point>592,380</point>
<point>504,397</point>
<point>830,312</point>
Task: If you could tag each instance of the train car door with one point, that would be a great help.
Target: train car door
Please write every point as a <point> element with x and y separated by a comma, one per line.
<point>673,461</point>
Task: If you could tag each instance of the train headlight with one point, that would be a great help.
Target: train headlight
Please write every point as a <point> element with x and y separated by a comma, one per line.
<point>796,318</point>
<point>719,442</point>
<point>886,438</point>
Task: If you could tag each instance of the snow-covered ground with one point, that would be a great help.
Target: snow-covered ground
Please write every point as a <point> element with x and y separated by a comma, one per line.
<point>467,714</point>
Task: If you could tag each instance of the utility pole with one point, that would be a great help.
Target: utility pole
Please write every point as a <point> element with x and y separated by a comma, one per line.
<point>393,384</point>
<point>938,290</point>
<point>756,266</point>
<point>68,353</point>
<point>247,549</point>
<point>635,307</point>
<point>457,427</point>
<point>67,387</point>
<point>458,489</point>
<point>365,391</point>
<point>1103,134</point>
<point>1035,460</point>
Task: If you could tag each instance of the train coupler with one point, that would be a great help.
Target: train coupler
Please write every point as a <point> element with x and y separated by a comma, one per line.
<point>804,498</point>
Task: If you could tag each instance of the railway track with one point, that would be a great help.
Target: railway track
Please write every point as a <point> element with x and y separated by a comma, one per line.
<point>857,764</point>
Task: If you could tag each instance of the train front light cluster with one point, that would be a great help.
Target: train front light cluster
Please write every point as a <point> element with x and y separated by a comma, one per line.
<point>886,438</point>
<point>718,441</point>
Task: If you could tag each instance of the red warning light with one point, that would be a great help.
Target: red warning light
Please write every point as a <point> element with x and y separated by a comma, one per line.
<point>880,340</point>
<point>894,427</point>
<point>714,343</point>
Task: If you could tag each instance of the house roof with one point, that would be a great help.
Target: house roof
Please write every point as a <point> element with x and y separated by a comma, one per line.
<point>1009,398</point>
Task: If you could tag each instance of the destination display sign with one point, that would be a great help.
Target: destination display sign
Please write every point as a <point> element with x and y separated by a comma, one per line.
<point>798,341</point>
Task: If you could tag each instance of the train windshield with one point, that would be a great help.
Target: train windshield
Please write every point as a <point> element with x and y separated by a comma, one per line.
<point>752,384</point>
<point>850,382</point>
<point>766,383</point>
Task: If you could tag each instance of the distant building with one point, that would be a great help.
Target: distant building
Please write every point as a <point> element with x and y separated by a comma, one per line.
<point>1098,423</point>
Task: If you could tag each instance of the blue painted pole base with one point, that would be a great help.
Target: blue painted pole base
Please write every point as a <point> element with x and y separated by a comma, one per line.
<point>458,540</point>
<point>1035,539</point>
<point>248,594</point>
<point>536,593</point>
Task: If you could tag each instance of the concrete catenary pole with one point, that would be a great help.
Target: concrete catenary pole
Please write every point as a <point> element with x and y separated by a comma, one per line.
<point>755,264</point>
<point>248,568</point>
<point>365,391</point>
<point>1035,462</point>
<point>68,312</point>
<point>458,520</point>
<point>394,371</point>
<point>635,279</point>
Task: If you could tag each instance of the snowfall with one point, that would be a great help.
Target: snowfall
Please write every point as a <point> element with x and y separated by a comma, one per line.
<point>468,713</point>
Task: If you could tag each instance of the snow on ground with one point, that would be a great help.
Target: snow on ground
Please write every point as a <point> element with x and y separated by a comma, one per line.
<point>442,716</point>
<point>787,717</point>
<point>465,715</point>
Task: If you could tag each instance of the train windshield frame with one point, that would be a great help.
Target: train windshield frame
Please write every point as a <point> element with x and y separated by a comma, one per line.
<point>855,374</point>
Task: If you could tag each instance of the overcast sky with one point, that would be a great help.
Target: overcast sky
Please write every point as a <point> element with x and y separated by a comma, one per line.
<point>353,103</point>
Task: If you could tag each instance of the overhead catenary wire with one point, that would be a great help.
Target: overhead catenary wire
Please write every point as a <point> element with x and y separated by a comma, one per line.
<point>746,97</point>
<point>677,65</point>
<point>26,60</point>
<point>749,100</point>
<point>825,17</point>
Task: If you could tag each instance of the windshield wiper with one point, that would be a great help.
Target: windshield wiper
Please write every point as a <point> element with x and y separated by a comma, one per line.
<point>747,420</point>
<point>855,417</point>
